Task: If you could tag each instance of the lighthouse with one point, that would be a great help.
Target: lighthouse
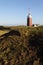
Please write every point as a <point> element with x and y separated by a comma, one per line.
<point>29,19</point>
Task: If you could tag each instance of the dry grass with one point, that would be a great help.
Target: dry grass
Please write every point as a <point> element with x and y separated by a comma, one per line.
<point>3,32</point>
<point>26,49</point>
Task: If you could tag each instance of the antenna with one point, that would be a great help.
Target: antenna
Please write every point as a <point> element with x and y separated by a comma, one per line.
<point>28,11</point>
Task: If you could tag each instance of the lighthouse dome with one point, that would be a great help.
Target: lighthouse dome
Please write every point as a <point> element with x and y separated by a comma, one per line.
<point>30,16</point>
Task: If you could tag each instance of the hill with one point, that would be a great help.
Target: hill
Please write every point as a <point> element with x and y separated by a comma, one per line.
<point>21,45</point>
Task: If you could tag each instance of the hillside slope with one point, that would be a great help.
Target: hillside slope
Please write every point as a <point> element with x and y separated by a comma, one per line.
<point>22,45</point>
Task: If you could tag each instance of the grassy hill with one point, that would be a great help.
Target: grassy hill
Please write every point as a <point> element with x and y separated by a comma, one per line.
<point>21,45</point>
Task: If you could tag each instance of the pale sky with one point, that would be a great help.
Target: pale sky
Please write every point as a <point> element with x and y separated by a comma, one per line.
<point>14,12</point>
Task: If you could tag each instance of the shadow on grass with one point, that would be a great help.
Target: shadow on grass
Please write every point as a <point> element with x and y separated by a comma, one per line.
<point>11,33</point>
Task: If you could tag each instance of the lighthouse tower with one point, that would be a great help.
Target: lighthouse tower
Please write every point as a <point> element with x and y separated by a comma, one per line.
<point>29,19</point>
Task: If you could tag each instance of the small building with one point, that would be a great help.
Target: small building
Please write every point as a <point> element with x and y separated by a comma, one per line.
<point>35,25</point>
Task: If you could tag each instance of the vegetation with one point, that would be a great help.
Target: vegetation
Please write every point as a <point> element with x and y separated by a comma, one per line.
<point>22,45</point>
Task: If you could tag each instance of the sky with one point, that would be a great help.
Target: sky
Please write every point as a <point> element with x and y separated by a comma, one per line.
<point>14,12</point>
